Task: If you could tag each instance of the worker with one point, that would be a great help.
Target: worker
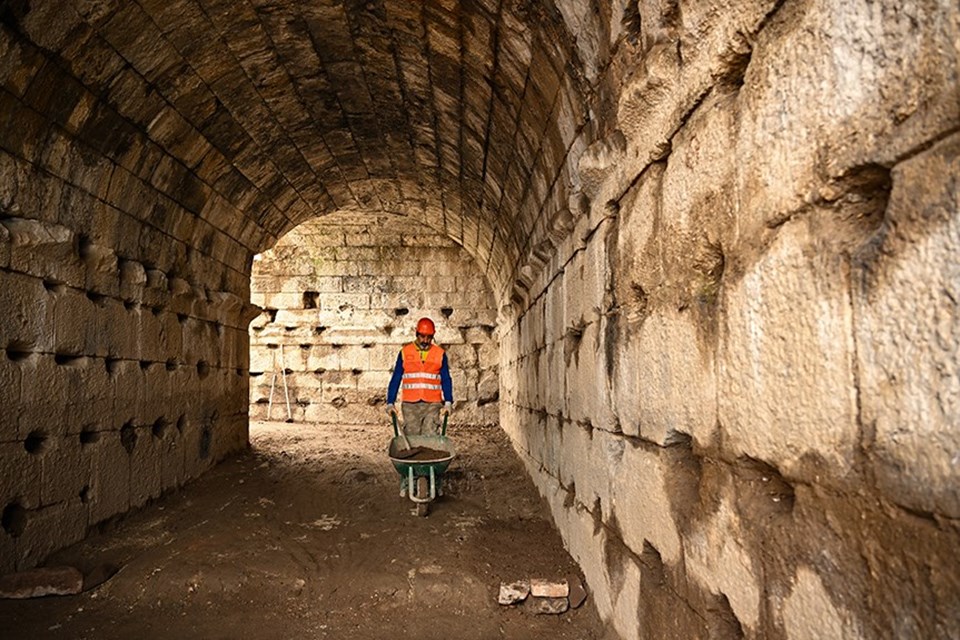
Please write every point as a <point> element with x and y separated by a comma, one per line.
<point>427,388</point>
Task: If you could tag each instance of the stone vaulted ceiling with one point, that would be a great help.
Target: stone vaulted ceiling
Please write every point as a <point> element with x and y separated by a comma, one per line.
<point>460,114</point>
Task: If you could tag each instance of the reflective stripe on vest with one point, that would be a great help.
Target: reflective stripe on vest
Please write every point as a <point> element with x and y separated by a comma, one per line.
<point>432,376</point>
<point>421,378</point>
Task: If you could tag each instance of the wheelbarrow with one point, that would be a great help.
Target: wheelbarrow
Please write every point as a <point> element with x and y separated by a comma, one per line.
<point>413,459</point>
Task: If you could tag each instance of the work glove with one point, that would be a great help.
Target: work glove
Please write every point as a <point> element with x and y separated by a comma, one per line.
<point>391,409</point>
<point>447,408</point>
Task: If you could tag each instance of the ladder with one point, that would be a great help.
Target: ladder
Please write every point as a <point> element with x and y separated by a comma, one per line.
<point>273,384</point>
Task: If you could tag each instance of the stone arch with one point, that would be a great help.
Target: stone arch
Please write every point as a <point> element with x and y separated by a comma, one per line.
<point>152,149</point>
<point>722,241</point>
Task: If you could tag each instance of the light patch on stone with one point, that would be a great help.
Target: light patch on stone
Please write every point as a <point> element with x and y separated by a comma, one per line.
<point>677,379</point>
<point>909,370</point>
<point>809,614</point>
<point>542,588</point>
<point>714,558</point>
<point>625,606</point>
<point>324,523</point>
<point>550,606</point>
<point>642,506</point>
<point>514,592</point>
<point>430,570</point>
<point>785,378</point>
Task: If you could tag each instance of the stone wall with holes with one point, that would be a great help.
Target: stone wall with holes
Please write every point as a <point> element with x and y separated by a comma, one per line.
<point>123,370</point>
<point>734,374</point>
<point>341,295</point>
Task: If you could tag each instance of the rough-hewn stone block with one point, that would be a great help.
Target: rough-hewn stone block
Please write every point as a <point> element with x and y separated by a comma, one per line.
<point>715,558</point>
<point>860,94</point>
<point>21,472</point>
<point>642,507</point>
<point>785,376</point>
<point>10,378</point>
<point>810,612</point>
<point>29,314</point>
<point>676,374</point>
<point>908,368</point>
<point>49,528</point>
<point>65,471</point>
<point>110,480</point>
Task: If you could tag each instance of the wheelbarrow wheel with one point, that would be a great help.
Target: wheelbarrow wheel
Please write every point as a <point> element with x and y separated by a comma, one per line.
<point>423,490</point>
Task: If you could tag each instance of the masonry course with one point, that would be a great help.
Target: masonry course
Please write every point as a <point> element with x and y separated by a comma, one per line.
<point>700,261</point>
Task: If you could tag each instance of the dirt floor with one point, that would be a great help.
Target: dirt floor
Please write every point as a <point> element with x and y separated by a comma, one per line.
<point>306,536</point>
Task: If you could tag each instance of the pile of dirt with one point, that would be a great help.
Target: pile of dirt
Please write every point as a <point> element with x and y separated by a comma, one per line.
<point>421,454</point>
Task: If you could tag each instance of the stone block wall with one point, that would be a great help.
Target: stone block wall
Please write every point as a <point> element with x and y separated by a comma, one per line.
<point>736,379</point>
<point>123,337</point>
<point>341,295</point>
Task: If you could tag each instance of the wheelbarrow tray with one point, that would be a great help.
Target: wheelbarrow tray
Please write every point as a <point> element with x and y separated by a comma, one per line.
<point>421,467</point>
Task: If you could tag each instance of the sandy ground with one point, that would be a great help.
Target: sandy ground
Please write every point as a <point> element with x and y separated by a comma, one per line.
<point>306,536</point>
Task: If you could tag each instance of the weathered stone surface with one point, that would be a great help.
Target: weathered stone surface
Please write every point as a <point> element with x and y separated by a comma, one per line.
<point>855,96</point>
<point>45,581</point>
<point>785,374</point>
<point>714,558</point>
<point>908,370</point>
<point>585,460</point>
<point>577,593</point>
<point>677,372</point>
<point>27,327</point>
<point>49,527</point>
<point>641,508</point>
<point>809,612</point>
<point>550,606</point>
<point>21,473</point>
<point>637,273</point>
<point>546,588</point>
<point>514,592</point>
<point>676,215</point>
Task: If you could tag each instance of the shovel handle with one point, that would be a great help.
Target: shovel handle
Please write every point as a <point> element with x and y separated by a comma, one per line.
<point>396,429</point>
<point>443,430</point>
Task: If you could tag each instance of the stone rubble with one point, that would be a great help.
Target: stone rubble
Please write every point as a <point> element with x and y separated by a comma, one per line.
<point>544,596</point>
<point>42,581</point>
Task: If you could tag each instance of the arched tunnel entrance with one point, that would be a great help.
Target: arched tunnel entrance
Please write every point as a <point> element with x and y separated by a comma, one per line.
<point>341,295</point>
<point>720,240</point>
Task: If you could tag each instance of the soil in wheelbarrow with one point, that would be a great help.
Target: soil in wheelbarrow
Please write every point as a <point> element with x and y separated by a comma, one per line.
<point>305,536</point>
<point>416,454</point>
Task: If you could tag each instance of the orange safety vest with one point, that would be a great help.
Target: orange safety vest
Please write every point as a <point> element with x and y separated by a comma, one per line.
<point>421,378</point>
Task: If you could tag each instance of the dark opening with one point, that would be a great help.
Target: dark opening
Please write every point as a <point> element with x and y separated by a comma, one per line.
<point>128,437</point>
<point>14,519</point>
<point>69,360</point>
<point>35,443</point>
<point>18,351</point>
<point>89,435</point>
<point>53,286</point>
<point>160,427</point>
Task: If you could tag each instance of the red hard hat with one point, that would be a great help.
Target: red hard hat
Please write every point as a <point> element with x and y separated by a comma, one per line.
<point>425,326</point>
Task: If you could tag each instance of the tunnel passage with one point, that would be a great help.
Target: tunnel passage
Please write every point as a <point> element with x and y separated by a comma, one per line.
<point>721,241</point>
<point>341,295</point>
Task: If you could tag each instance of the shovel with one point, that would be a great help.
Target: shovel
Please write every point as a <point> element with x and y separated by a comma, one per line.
<point>408,450</point>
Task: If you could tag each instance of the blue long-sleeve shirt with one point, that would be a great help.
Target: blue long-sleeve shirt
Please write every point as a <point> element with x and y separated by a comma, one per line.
<point>446,383</point>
